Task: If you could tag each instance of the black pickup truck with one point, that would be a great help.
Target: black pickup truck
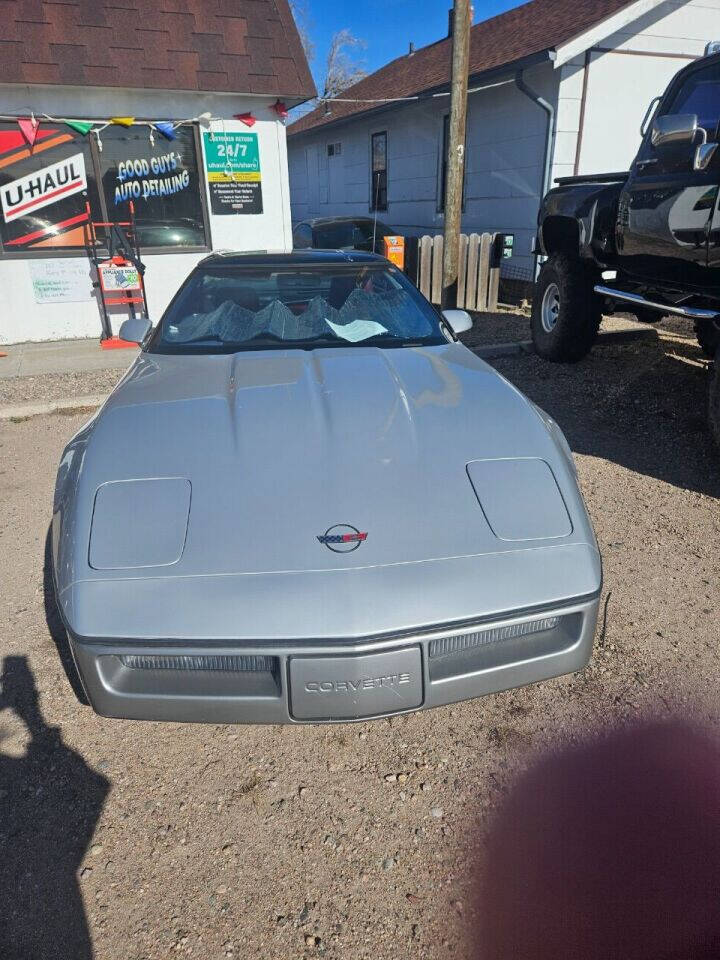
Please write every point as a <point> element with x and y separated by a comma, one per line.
<point>645,241</point>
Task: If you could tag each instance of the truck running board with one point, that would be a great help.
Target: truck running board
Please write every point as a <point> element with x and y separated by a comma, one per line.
<point>692,313</point>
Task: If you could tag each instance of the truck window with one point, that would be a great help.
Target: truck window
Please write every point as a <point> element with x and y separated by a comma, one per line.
<point>700,94</point>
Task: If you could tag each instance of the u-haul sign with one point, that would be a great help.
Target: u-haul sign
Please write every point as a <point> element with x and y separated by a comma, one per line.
<point>24,196</point>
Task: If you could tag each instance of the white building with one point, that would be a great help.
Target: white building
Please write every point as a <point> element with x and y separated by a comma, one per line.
<point>213,182</point>
<point>560,87</point>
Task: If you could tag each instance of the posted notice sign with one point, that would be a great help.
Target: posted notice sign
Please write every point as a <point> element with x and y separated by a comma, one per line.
<point>61,281</point>
<point>232,161</point>
<point>116,279</point>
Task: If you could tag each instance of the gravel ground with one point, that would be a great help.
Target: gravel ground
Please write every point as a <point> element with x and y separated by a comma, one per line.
<point>513,326</point>
<point>351,841</point>
<point>506,326</point>
<point>52,386</point>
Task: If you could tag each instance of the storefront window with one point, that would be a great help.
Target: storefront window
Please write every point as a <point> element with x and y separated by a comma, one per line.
<point>45,189</point>
<point>162,180</point>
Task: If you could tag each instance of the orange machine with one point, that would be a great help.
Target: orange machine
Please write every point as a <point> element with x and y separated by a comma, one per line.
<point>394,250</point>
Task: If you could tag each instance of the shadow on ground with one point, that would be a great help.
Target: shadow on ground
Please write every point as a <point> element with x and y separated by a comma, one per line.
<point>50,803</point>
<point>642,405</point>
<point>608,849</point>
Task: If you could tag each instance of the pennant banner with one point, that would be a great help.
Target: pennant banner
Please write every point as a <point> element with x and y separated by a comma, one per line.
<point>82,126</point>
<point>29,127</point>
<point>166,129</point>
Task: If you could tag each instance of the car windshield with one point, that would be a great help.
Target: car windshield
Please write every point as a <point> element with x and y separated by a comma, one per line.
<point>223,309</point>
<point>347,233</point>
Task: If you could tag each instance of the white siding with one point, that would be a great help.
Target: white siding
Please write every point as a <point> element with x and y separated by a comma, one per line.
<point>505,149</point>
<point>675,26</point>
<point>631,67</point>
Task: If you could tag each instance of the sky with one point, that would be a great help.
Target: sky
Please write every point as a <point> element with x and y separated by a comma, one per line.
<point>386,26</point>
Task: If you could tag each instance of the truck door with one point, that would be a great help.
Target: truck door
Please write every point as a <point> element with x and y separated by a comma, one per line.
<point>667,205</point>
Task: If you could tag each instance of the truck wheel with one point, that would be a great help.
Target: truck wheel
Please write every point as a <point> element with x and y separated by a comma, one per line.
<point>708,336</point>
<point>566,313</point>
<point>714,401</point>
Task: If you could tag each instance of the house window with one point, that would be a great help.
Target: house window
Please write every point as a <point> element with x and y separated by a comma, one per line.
<point>378,181</point>
<point>334,149</point>
<point>162,180</point>
<point>443,165</point>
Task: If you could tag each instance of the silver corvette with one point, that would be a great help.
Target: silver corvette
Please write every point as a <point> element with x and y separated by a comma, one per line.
<point>307,501</point>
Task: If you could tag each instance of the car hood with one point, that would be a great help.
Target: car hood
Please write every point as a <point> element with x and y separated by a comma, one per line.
<point>280,446</point>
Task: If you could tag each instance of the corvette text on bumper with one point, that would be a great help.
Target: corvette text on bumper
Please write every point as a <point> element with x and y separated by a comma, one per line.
<point>356,686</point>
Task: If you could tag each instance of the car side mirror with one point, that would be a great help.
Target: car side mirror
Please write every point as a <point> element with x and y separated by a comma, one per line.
<point>703,155</point>
<point>135,329</point>
<point>674,130</point>
<point>460,320</point>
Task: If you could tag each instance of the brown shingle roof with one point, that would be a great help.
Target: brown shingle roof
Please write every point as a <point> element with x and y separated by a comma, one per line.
<point>511,36</point>
<point>243,46</point>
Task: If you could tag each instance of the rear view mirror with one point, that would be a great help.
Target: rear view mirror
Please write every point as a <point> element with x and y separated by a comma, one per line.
<point>460,320</point>
<point>135,329</point>
<point>674,130</point>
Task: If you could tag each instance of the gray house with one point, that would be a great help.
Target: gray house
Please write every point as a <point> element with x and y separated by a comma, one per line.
<point>557,87</point>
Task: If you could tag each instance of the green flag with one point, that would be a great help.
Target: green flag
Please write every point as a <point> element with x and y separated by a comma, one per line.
<point>82,126</point>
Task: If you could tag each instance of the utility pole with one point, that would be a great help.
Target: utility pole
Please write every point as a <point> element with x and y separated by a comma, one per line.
<point>455,160</point>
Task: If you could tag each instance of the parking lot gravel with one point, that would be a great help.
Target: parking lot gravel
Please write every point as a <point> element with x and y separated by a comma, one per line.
<point>136,841</point>
<point>57,386</point>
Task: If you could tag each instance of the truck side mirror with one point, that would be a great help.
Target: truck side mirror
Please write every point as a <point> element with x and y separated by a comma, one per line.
<point>703,155</point>
<point>674,130</point>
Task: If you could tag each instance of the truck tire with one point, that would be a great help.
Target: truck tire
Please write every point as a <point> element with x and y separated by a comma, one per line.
<point>714,401</point>
<point>708,336</point>
<point>566,313</point>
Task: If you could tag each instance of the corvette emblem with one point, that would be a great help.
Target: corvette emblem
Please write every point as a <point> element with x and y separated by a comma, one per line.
<point>342,538</point>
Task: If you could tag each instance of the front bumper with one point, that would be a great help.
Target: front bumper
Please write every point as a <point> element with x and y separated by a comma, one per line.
<point>331,681</point>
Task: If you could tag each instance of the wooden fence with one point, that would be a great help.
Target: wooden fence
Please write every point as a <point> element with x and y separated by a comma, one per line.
<point>478,278</point>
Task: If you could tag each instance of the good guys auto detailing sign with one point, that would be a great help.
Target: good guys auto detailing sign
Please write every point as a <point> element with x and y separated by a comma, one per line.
<point>24,196</point>
<point>160,176</point>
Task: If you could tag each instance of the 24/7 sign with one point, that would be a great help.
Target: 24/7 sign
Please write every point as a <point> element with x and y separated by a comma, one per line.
<point>232,161</point>
<point>24,196</point>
